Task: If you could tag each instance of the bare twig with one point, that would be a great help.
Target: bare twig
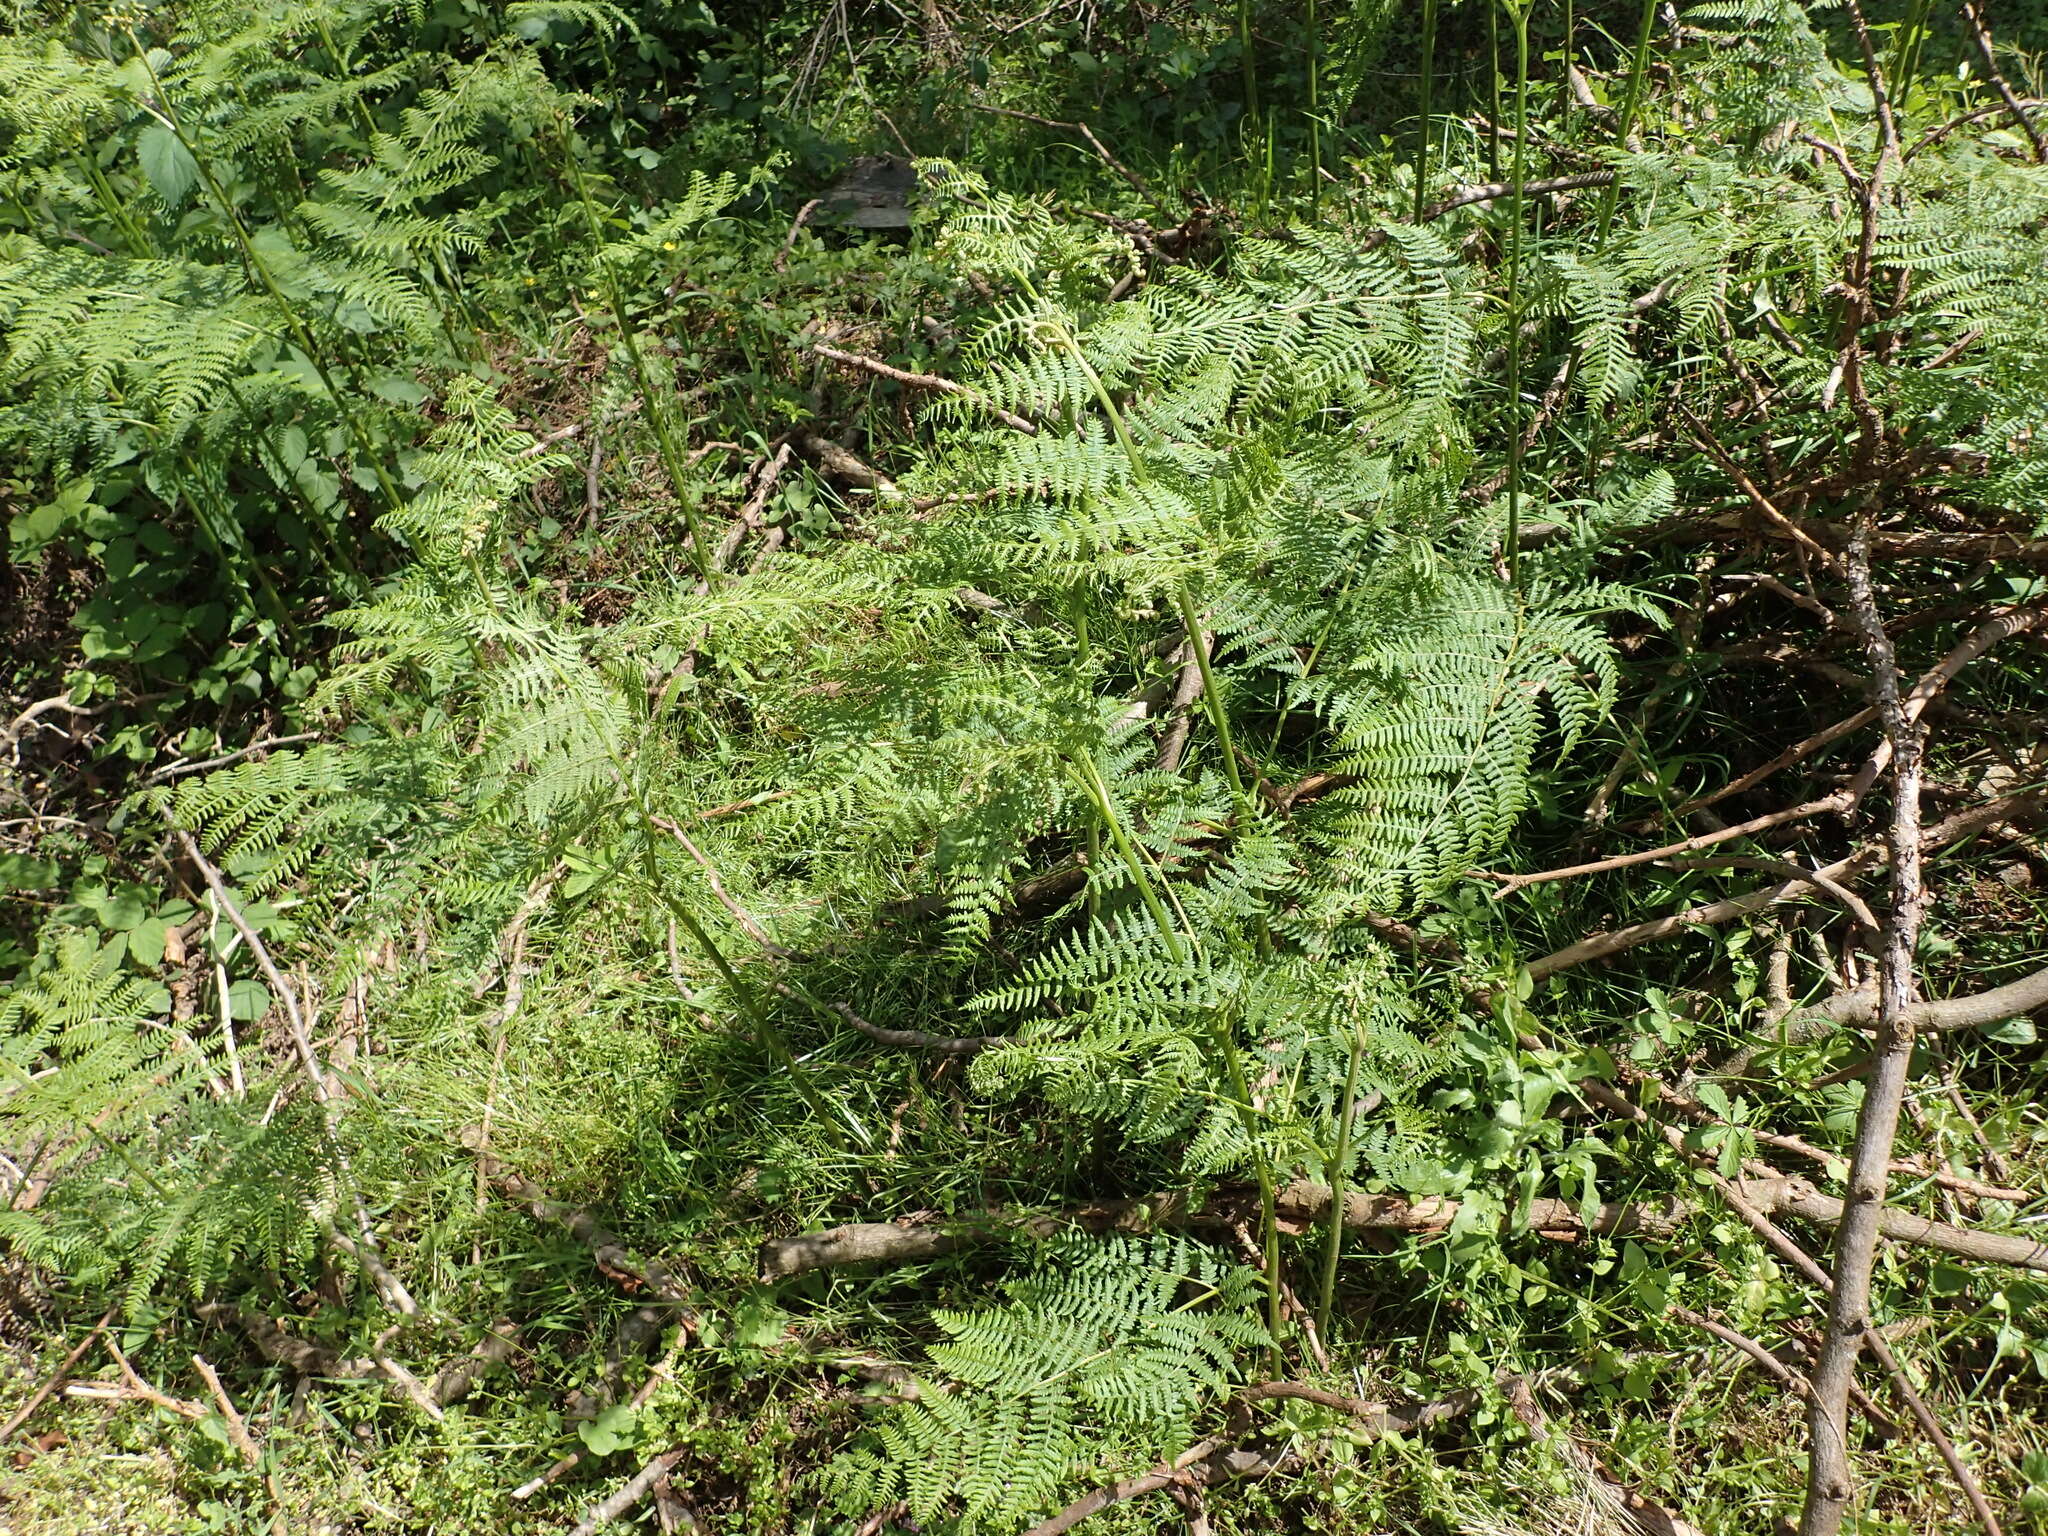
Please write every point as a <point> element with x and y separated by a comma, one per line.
<point>175,770</point>
<point>803,217</point>
<point>10,733</point>
<point>364,1247</point>
<point>1512,883</point>
<point>56,1379</point>
<point>917,1039</point>
<point>238,1430</point>
<point>635,1489</point>
<point>1980,34</point>
<point>1820,881</point>
<point>927,381</point>
<point>1303,1206</point>
<point>457,1379</point>
<point>1102,150</point>
<point>640,1398</point>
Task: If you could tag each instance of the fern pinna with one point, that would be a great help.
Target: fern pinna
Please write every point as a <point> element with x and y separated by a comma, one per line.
<point>1102,1355</point>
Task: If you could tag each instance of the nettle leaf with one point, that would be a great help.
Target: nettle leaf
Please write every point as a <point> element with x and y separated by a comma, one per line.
<point>167,164</point>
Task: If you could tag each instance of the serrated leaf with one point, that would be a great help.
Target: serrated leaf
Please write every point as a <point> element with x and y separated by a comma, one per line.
<point>167,164</point>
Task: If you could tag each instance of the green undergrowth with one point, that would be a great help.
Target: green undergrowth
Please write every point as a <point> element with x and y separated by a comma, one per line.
<point>649,739</point>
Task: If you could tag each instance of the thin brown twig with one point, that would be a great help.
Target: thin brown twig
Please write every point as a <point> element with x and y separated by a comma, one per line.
<point>803,217</point>
<point>927,381</point>
<point>364,1247</point>
<point>238,1429</point>
<point>1512,883</point>
<point>1980,34</point>
<point>1137,182</point>
<point>42,1394</point>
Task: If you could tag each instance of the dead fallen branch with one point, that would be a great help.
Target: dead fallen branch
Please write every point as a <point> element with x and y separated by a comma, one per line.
<point>1102,150</point>
<point>928,381</point>
<point>1302,1206</point>
<point>55,1380</point>
<point>613,1258</point>
<point>631,1493</point>
<point>1209,1462</point>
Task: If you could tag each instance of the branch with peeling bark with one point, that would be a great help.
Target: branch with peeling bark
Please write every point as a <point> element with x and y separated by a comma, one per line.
<point>1302,1206</point>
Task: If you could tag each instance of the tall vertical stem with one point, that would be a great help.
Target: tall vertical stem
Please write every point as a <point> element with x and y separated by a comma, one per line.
<point>673,460</point>
<point>1335,1175</point>
<point>1829,1486</point>
<point>1520,13</point>
<point>1422,130</point>
<point>1631,102</point>
<point>1249,61</point>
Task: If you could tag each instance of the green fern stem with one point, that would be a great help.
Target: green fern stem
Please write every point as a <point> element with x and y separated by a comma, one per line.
<point>673,460</point>
<point>1428,91</point>
<point>1334,1176</point>
<point>116,211</point>
<point>1212,698</point>
<point>1247,59</point>
<point>1520,14</point>
<point>1226,1048</point>
<point>1631,102</point>
<point>1315,109</point>
<point>1262,1171</point>
<point>1091,784</point>
<point>1493,97</point>
<point>1212,695</point>
<point>164,112</point>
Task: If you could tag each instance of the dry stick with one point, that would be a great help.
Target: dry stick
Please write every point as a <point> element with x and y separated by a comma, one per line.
<point>1923,1416</point>
<point>1165,1475</point>
<point>930,381</point>
<point>612,1256</point>
<point>1553,397</point>
<point>1778,1370</point>
<point>749,519</point>
<point>1600,946</point>
<point>908,1039</point>
<point>404,1379</point>
<point>1829,1480</point>
<point>513,947</point>
<point>2003,624</point>
<point>458,1378</point>
<point>41,1395</point>
<point>542,444</point>
<point>636,1488</point>
<point>1303,1205</point>
<point>803,217</point>
<point>1512,883</point>
<point>1934,136</point>
<point>1129,175</point>
<point>1980,33</point>
<point>1706,440</point>
<point>917,1039</point>
<point>593,484</point>
<point>174,770</point>
<point>641,1395</point>
<point>238,1430</point>
<point>1211,1461</point>
<point>1780,763</point>
<point>1848,898</point>
<point>365,1247</point>
<point>148,1393</point>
